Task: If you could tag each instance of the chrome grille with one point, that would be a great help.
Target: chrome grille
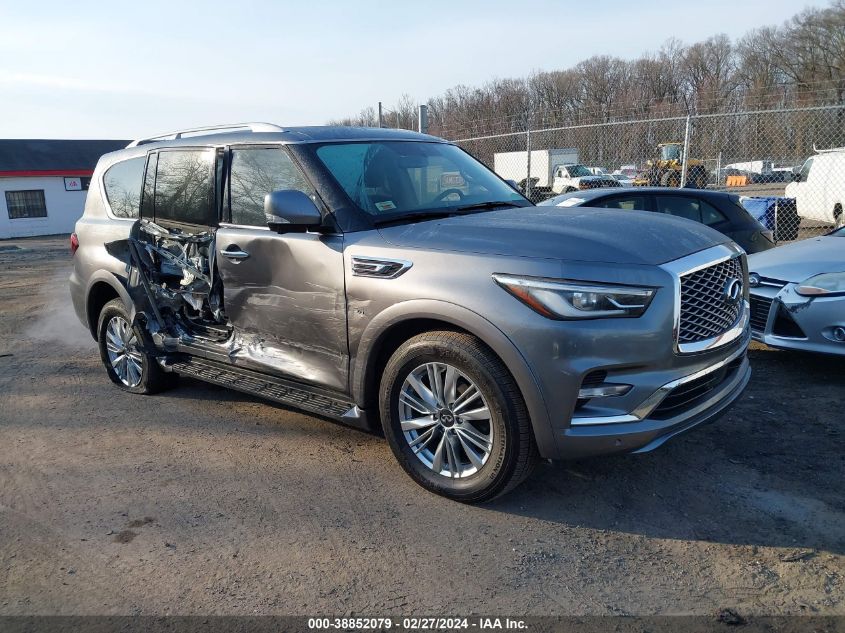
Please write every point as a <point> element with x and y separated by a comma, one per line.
<point>705,313</point>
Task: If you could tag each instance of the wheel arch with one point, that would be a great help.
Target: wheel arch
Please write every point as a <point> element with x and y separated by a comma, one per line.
<point>102,288</point>
<point>395,325</point>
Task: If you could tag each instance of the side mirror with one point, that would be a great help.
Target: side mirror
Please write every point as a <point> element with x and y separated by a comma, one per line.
<point>796,177</point>
<point>513,184</point>
<point>291,210</point>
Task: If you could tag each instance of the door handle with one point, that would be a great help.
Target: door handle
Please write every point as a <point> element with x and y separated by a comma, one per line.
<point>234,252</point>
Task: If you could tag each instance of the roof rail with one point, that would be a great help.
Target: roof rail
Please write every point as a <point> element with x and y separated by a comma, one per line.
<point>832,149</point>
<point>252,127</point>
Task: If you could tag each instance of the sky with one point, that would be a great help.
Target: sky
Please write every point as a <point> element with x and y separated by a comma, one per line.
<point>123,70</point>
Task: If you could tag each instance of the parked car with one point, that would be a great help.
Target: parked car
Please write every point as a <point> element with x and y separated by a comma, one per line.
<point>798,295</point>
<point>819,188</point>
<point>623,180</point>
<point>719,210</point>
<point>578,178</point>
<point>387,279</point>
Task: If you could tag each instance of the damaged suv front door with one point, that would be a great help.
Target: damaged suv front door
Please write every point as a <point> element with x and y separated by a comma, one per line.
<point>283,292</point>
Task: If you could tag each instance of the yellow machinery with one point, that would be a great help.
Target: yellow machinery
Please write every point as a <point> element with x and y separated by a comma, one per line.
<point>665,170</point>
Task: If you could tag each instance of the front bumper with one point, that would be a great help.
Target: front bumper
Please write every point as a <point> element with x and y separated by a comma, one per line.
<point>783,319</point>
<point>674,408</point>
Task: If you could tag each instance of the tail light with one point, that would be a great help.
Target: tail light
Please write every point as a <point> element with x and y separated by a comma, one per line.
<point>74,244</point>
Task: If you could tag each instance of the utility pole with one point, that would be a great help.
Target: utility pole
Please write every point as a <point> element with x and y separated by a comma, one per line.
<point>380,116</point>
<point>422,119</point>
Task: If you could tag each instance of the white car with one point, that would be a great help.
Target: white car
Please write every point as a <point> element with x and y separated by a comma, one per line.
<point>623,180</point>
<point>819,188</point>
<point>574,177</point>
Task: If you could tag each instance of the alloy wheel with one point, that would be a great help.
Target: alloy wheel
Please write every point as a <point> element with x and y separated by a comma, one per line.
<point>122,349</point>
<point>445,420</point>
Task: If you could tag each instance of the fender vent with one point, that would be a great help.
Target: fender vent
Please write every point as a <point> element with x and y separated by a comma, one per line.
<point>381,268</point>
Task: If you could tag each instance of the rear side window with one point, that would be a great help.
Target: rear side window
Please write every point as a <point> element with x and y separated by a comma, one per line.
<point>255,173</point>
<point>184,189</point>
<point>689,208</point>
<point>629,203</point>
<point>122,182</point>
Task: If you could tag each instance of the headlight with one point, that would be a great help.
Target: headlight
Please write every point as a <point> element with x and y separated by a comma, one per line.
<point>573,300</point>
<point>824,284</point>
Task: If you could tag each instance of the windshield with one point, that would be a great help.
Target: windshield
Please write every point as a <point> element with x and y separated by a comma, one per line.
<point>393,178</point>
<point>805,169</point>
<point>670,152</point>
<point>576,171</point>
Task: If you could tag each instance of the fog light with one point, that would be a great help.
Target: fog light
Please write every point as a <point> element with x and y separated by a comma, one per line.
<point>603,390</point>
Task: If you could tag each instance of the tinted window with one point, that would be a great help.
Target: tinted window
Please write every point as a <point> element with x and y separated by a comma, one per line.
<point>122,182</point>
<point>255,173</point>
<point>629,203</point>
<point>710,214</point>
<point>183,187</point>
<point>689,208</point>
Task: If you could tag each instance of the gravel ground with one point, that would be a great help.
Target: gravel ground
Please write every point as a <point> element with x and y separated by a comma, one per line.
<point>206,501</point>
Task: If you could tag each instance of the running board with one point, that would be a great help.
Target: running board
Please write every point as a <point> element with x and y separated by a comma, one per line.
<point>272,388</point>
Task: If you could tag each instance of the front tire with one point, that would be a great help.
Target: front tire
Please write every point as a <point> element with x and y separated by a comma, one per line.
<point>127,365</point>
<point>454,417</point>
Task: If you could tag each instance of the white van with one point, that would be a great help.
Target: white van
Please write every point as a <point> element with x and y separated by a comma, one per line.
<point>819,188</point>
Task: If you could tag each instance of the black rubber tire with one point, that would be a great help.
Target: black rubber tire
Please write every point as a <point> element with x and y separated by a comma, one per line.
<point>514,454</point>
<point>153,378</point>
<point>670,178</point>
<point>697,177</point>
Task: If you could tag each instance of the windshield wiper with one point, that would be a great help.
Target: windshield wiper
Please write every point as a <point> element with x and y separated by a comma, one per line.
<point>413,217</point>
<point>487,205</point>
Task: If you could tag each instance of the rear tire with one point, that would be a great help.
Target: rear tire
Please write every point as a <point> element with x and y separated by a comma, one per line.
<point>455,419</point>
<point>127,365</point>
<point>698,177</point>
<point>671,179</point>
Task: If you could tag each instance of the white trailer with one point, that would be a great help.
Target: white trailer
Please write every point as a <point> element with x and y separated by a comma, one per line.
<point>514,165</point>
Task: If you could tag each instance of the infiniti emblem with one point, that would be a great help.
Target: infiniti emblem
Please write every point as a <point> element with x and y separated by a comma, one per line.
<point>733,291</point>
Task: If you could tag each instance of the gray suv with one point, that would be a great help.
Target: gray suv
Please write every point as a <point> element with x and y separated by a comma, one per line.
<point>387,279</point>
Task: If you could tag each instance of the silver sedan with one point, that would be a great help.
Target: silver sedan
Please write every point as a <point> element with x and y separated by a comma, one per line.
<point>798,295</point>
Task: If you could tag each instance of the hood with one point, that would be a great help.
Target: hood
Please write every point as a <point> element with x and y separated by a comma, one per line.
<point>797,261</point>
<point>579,234</point>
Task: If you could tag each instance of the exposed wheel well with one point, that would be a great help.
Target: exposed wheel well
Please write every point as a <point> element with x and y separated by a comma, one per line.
<point>389,342</point>
<point>837,210</point>
<point>99,295</point>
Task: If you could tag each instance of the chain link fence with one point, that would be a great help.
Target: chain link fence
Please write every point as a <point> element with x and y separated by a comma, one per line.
<point>788,165</point>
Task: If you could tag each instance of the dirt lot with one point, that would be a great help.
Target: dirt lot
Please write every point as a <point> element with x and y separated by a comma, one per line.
<point>202,500</point>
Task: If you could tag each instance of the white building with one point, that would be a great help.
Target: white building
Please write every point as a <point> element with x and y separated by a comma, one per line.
<point>43,183</point>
